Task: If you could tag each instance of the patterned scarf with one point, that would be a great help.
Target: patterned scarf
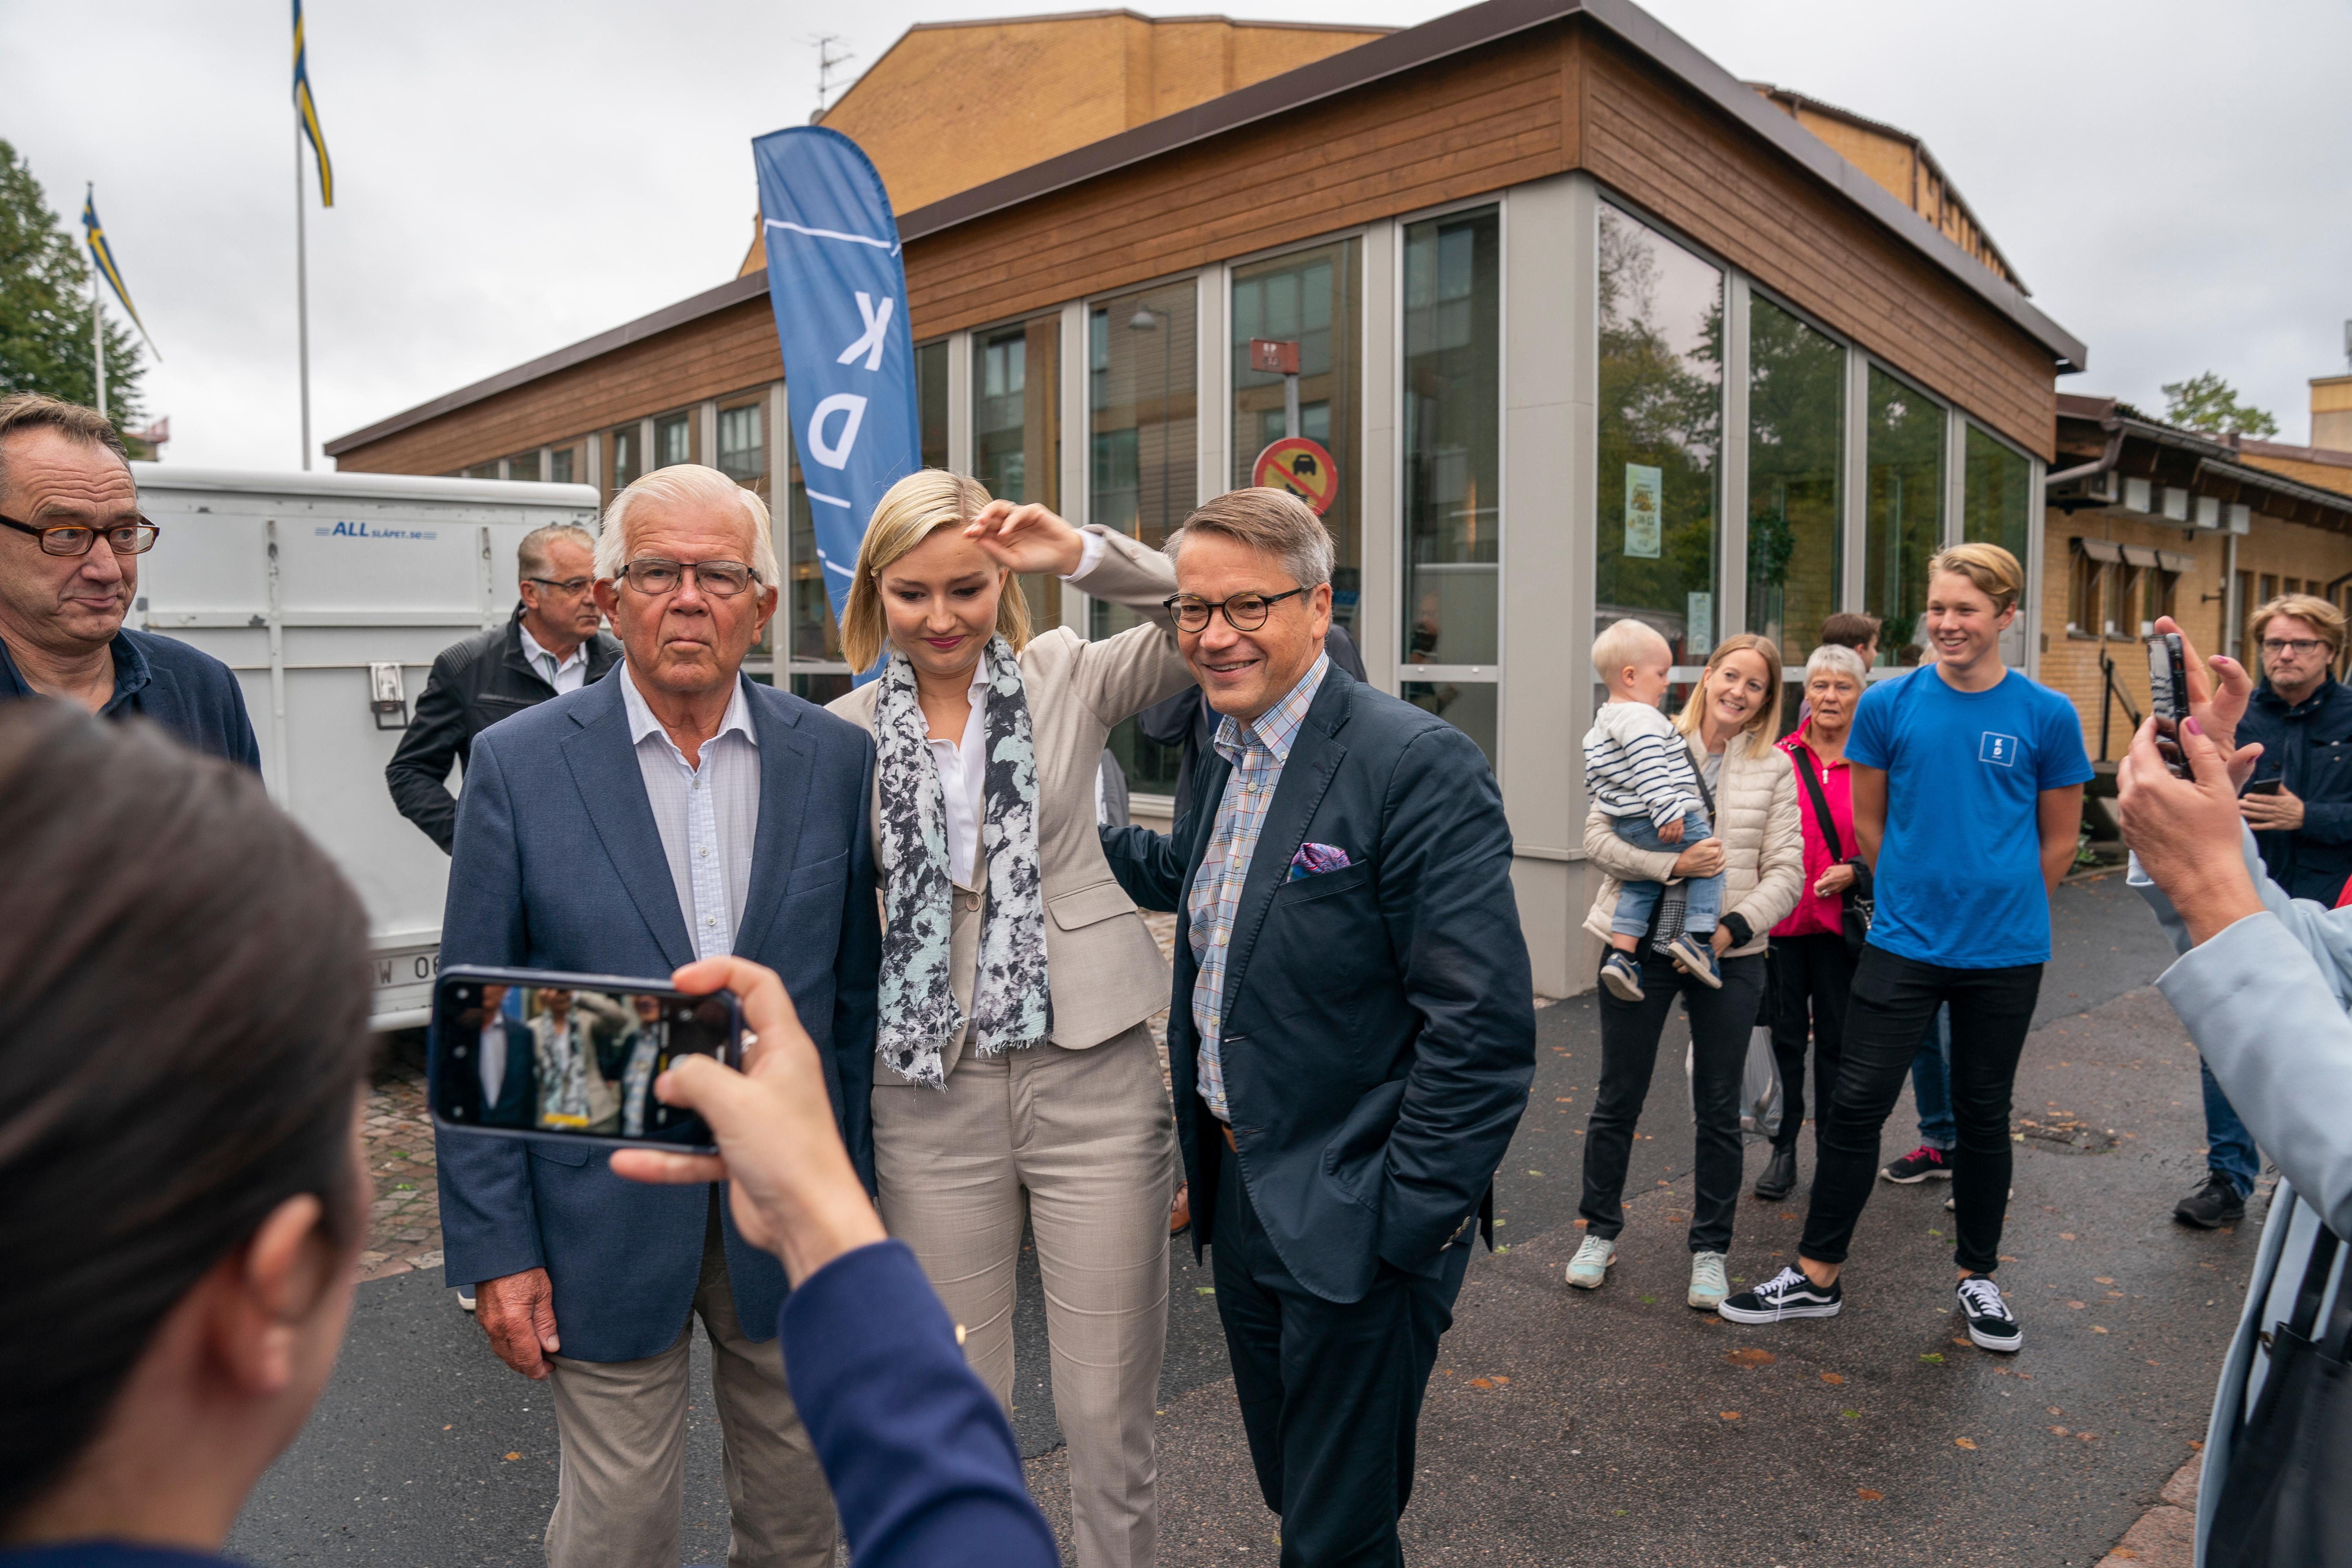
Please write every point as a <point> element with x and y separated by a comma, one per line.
<point>1012,1008</point>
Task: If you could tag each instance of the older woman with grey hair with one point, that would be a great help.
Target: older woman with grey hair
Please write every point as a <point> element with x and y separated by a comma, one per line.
<point>1811,962</point>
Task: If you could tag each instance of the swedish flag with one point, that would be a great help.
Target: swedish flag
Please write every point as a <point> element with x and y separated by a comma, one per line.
<point>103,255</point>
<point>306,110</point>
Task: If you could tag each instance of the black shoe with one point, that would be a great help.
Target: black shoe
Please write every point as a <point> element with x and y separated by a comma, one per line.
<point>1923,1164</point>
<point>2216,1203</point>
<point>1787,1294</point>
<point>1992,1324</point>
<point>1779,1177</point>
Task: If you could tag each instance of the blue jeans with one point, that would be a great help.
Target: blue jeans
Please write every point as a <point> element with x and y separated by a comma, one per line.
<point>2232,1151</point>
<point>1931,1084</point>
<point>1636,901</point>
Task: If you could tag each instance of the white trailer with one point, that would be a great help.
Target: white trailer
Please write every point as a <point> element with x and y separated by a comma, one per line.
<point>330,594</point>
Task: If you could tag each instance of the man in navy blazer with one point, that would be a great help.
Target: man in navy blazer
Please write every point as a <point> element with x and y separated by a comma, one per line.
<point>672,811</point>
<point>1352,1029</point>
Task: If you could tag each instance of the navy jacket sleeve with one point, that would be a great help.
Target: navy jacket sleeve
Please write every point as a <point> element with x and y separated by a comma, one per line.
<point>921,1462</point>
<point>489,1223</point>
<point>1445,894</point>
<point>1147,865</point>
<point>856,980</point>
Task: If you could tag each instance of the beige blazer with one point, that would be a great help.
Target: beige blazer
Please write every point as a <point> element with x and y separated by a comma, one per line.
<point>1104,967</point>
<point>1763,842</point>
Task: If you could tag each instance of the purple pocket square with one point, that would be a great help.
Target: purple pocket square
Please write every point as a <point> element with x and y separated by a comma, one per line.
<point>1314,859</point>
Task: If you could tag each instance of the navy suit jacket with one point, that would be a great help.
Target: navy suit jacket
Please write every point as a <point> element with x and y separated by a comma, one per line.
<point>1378,1034</point>
<point>518,1100</point>
<point>557,865</point>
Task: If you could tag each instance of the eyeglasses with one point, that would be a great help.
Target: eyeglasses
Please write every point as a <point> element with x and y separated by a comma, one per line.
<point>1243,612</point>
<point>77,538</point>
<point>2292,645</point>
<point>564,584</point>
<point>720,579</point>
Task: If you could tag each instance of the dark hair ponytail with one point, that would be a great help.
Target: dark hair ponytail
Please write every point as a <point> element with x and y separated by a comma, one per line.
<point>182,1028</point>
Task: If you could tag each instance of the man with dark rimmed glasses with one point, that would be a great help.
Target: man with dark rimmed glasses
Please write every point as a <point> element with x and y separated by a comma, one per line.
<point>71,539</point>
<point>550,646</point>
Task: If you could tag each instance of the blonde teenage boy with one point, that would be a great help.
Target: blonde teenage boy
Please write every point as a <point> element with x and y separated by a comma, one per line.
<point>1638,771</point>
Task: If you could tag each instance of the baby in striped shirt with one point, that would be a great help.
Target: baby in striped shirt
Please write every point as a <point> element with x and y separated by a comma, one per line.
<point>1637,768</point>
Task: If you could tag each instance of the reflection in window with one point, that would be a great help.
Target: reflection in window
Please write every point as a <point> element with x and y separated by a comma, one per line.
<point>562,464</point>
<point>1906,515</point>
<point>1452,419</point>
<point>1796,443</point>
<point>523,466</point>
<point>1660,428</point>
<point>488,471</point>
<point>1016,430</point>
<point>628,457</point>
<point>1997,507</point>
<point>1470,706</point>
<point>813,636</point>
<point>742,456</point>
<point>1309,298</point>
<point>1142,458</point>
<point>931,400</point>
<point>673,440</point>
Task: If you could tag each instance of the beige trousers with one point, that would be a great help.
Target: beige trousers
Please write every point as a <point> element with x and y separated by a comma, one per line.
<point>1089,1138</point>
<point>622,1481</point>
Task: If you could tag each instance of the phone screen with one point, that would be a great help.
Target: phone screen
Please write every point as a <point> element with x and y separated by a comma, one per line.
<point>529,1054</point>
<point>2168,691</point>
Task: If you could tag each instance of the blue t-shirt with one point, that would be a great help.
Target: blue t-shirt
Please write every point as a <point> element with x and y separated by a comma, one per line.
<point>1958,880</point>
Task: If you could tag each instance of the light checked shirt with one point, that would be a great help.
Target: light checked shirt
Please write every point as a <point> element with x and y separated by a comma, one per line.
<point>568,674</point>
<point>1258,751</point>
<point>708,815</point>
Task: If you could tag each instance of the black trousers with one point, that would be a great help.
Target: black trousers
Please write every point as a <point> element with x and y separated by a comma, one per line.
<point>1721,1021</point>
<point>1330,1392</point>
<point>1894,1002</point>
<point>1811,977</point>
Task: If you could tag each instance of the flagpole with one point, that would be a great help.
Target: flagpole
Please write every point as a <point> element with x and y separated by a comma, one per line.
<point>98,335</point>
<point>302,290</point>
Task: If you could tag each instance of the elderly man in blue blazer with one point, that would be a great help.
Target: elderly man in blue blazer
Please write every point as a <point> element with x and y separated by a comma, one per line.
<point>1353,1030</point>
<point>672,811</point>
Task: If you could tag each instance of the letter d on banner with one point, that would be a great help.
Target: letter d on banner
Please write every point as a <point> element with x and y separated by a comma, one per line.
<point>839,293</point>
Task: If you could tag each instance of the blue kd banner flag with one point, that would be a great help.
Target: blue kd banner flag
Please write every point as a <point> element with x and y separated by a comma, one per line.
<point>839,292</point>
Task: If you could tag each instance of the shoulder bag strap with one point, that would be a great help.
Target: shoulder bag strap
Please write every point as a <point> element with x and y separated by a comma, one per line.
<point>1801,759</point>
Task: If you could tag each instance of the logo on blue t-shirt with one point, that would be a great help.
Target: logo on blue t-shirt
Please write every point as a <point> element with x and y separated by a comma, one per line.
<point>1998,749</point>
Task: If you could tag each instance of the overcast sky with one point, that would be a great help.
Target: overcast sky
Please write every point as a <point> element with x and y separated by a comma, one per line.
<point>2170,180</point>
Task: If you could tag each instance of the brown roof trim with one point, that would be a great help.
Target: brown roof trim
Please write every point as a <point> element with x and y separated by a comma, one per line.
<point>2216,454</point>
<point>1350,69</point>
<point>2327,456</point>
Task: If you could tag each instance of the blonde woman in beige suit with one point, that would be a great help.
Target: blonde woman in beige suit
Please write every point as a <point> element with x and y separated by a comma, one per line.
<point>1014,1067</point>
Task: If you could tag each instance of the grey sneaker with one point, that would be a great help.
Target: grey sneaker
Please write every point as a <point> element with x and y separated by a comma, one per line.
<point>1590,1265</point>
<point>1707,1286</point>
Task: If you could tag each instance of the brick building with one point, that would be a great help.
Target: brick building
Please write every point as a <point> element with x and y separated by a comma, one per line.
<point>1590,327</point>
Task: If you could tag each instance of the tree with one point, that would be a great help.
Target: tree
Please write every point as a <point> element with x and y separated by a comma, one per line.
<point>45,306</point>
<point>2207,402</point>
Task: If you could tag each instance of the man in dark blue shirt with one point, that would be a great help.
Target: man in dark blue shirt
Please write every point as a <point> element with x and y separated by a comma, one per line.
<point>71,539</point>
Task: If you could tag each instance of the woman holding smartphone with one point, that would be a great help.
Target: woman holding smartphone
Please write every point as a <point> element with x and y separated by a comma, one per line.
<point>1015,1073</point>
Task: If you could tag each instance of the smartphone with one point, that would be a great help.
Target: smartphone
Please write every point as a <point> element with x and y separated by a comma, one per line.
<point>532,1053</point>
<point>2167,689</point>
<point>2264,786</point>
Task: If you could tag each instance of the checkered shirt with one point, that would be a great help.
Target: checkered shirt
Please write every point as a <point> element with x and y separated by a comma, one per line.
<point>1257,752</point>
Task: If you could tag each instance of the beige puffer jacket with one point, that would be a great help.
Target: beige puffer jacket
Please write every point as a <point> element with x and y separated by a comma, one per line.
<point>1763,842</point>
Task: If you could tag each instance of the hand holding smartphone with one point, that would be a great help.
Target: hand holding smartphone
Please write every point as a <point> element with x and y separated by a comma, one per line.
<point>2167,688</point>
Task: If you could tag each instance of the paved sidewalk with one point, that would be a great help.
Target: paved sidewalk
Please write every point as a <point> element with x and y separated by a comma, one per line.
<point>404,1217</point>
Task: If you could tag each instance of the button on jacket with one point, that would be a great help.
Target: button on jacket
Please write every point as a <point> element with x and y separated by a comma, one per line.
<point>475,683</point>
<point>2308,745</point>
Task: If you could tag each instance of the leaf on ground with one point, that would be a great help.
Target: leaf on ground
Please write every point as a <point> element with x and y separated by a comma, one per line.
<point>2054,1410</point>
<point>2101,1280</point>
<point>1530,1172</point>
<point>2089,1437</point>
<point>1482,1383</point>
<point>445,1428</point>
<point>1752,1356</point>
<point>2060,1432</point>
<point>2065,1235</point>
<point>2124,1551</point>
<point>2078,1306</point>
<point>1204,1289</point>
<point>1649,1300</point>
<point>2097,1330</point>
<point>1832,1378</point>
<point>1731,1415</point>
<point>1960,1339</point>
<point>1967,1443</point>
<point>1935,1356</point>
<point>1850,1415</point>
<point>514,1456</point>
<point>1867,1495</point>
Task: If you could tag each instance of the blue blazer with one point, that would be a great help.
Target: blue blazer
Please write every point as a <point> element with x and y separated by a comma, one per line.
<point>557,865</point>
<point>1378,1020</point>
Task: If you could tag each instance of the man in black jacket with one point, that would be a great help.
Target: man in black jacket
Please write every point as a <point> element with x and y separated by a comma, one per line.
<point>550,646</point>
<point>1352,1029</point>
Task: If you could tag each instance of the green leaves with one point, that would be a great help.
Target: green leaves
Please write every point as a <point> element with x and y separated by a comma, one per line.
<point>44,304</point>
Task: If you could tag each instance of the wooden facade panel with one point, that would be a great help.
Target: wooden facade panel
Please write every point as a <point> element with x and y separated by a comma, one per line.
<point>1681,159</point>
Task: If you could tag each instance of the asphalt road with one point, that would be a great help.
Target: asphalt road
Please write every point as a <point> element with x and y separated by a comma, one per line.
<point>1618,1426</point>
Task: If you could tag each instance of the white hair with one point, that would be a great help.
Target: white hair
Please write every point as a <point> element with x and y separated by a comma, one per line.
<point>1844,660</point>
<point>687,484</point>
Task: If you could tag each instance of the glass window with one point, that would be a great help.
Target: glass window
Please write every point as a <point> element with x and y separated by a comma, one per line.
<point>673,440</point>
<point>1142,458</point>
<point>523,466</point>
<point>1661,424</point>
<point>1796,469</point>
<point>1996,496</point>
<point>2086,580</point>
<point>629,456</point>
<point>1452,380</point>
<point>1905,512</point>
<point>743,455</point>
<point>1311,298</point>
<point>814,635</point>
<point>931,400</point>
<point>562,464</point>
<point>488,471</point>
<point>1016,430</point>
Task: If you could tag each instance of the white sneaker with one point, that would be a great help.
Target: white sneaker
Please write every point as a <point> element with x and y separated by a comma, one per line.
<point>1952,1205</point>
<point>466,1297</point>
<point>1708,1285</point>
<point>1590,1265</point>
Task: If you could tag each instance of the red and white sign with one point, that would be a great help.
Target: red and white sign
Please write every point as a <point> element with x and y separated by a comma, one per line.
<point>1272,356</point>
<point>1301,466</point>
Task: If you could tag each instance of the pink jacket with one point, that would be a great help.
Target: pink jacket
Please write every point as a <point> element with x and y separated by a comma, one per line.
<point>1814,914</point>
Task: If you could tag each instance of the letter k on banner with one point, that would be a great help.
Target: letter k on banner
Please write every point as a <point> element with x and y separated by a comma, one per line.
<point>838,289</point>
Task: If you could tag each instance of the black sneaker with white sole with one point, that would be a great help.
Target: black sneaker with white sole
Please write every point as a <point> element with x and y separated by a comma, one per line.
<point>1991,1325</point>
<point>1787,1294</point>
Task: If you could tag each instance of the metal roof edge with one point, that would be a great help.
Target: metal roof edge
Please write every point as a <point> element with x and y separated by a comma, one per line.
<point>361,484</point>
